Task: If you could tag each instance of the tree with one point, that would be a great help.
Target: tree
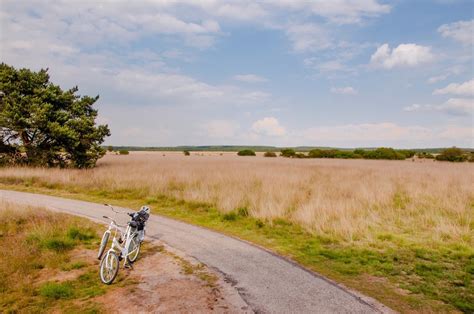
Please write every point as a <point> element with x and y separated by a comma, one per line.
<point>288,152</point>
<point>452,154</point>
<point>40,124</point>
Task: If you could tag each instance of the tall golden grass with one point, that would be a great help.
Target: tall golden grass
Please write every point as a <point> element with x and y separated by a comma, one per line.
<point>352,200</point>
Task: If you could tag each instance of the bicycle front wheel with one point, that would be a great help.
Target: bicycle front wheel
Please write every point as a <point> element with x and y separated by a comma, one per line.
<point>133,249</point>
<point>109,267</point>
<point>103,244</point>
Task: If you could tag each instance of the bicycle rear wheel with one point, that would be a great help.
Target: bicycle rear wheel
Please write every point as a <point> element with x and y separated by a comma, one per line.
<point>109,267</point>
<point>133,249</point>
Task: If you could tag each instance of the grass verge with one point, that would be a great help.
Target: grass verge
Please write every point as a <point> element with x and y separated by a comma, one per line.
<point>46,263</point>
<point>399,271</point>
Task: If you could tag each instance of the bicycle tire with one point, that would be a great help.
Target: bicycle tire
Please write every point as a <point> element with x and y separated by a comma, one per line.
<point>136,241</point>
<point>103,244</point>
<point>115,260</point>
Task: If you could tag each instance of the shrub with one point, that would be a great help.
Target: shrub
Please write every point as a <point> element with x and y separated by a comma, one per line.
<point>452,154</point>
<point>425,155</point>
<point>186,153</point>
<point>246,152</point>
<point>110,149</point>
<point>288,152</point>
<point>269,154</point>
<point>123,152</point>
<point>407,153</point>
<point>384,153</point>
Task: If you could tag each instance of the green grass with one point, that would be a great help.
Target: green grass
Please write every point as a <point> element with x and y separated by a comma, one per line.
<point>35,242</point>
<point>405,274</point>
<point>53,290</point>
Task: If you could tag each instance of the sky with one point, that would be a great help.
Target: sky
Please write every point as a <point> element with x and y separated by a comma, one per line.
<point>340,73</point>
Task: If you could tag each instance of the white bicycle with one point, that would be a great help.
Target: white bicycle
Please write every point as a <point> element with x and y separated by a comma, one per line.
<point>126,243</point>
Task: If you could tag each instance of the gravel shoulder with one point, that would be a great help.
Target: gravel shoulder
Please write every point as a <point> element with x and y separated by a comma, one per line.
<point>266,282</point>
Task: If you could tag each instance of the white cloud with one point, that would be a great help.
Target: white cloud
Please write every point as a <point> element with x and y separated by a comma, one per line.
<point>418,108</point>
<point>453,106</point>
<point>458,106</point>
<point>339,11</point>
<point>462,31</point>
<point>408,55</point>
<point>255,97</point>
<point>250,78</point>
<point>349,90</point>
<point>308,37</point>
<point>464,89</point>
<point>221,128</point>
<point>436,79</point>
<point>268,126</point>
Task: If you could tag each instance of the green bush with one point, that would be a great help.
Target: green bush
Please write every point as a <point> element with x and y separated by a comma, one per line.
<point>425,155</point>
<point>383,153</point>
<point>407,153</point>
<point>246,152</point>
<point>288,152</point>
<point>186,153</point>
<point>123,152</point>
<point>269,154</point>
<point>453,154</point>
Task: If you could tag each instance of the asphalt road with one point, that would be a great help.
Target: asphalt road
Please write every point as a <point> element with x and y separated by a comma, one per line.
<point>267,282</point>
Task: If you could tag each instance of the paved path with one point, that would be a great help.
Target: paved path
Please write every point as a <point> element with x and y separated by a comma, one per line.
<point>268,283</point>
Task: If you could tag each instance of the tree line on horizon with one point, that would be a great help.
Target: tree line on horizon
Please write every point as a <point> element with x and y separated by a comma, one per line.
<point>453,154</point>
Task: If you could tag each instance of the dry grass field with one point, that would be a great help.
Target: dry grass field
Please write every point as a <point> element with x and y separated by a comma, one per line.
<point>352,200</point>
<point>400,231</point>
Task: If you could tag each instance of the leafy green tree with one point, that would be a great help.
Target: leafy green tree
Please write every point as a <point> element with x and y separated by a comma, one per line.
<point>40,124</point>
<point>452,154</point>
<point>288,152</point>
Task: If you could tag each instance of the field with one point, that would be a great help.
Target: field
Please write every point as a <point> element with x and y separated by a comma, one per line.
<point>400,231</point>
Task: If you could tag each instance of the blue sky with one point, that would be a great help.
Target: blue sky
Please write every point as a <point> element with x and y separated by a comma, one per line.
<point>341,73</point>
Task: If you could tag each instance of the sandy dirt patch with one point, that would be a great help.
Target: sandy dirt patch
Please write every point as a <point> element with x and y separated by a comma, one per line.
<point>168,281</point>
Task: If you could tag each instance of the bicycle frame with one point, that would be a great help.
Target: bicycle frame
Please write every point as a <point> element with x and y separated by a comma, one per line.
<point>126,234</point>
